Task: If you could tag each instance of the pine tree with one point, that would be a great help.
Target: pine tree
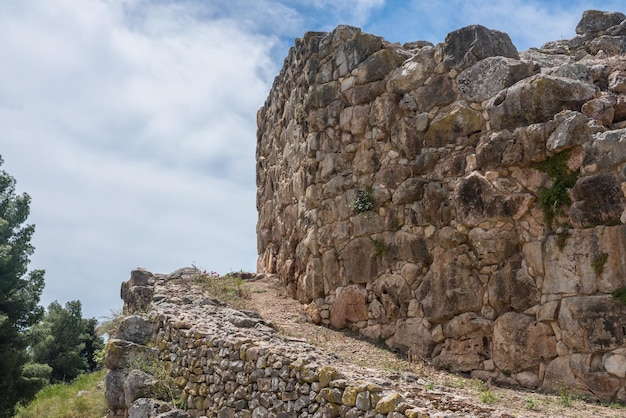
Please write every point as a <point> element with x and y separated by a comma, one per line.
<point>20,291</point>
<point>58,340</point>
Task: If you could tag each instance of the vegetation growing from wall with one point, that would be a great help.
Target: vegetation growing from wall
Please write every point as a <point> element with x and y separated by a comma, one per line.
<point>552,199</point>
<point>363,201</point>
<point>599,262</point>
<point>228,288</point>
<point>620,295</point>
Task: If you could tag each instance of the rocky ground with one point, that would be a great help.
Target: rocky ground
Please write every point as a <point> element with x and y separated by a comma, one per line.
<point>447,392</point>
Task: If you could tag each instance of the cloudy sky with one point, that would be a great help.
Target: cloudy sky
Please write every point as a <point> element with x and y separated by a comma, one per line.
<point>132,123</point>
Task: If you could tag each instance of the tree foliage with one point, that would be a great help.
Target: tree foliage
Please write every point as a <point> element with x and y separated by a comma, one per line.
<point>65,341</point>
<point>20,291</point>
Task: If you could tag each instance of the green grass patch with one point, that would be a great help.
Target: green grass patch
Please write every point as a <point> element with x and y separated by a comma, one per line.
<point>228,288</point>
<point>487,396</point>
<point>83,398</point>
<point>531,404</point>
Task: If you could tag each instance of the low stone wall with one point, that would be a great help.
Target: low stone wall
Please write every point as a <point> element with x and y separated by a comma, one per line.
<point>231,363</point>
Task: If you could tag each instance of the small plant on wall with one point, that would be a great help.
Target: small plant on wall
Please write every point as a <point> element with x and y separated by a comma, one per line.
<point>552,199</point>
<point>363,201</point>
<point>620,295</point>
<point>599,262</point>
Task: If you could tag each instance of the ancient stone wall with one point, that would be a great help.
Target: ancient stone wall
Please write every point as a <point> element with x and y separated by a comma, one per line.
<point>461,201</point>
<point>230,363</point>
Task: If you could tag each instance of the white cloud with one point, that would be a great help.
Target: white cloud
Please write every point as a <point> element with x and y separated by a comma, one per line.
<point>132,125</point>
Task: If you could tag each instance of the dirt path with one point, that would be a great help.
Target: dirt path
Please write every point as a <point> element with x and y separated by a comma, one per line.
<point>439,389</point>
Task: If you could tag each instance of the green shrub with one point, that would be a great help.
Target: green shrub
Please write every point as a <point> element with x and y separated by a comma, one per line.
<point>553,199</point>
<point>363,201</point>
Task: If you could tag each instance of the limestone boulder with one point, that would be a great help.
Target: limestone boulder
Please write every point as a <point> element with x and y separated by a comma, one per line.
<point>449,237</point>
<point>572,129</point>
<point>461,355</point>
<point>394,294</point>
<point>137,299</point>
<point>569,270</point>
<point>147,408</point>
<point>359,261</point>
<point>524,145</point>
<point>477,200</point>
<point>352,46</point>
<point>451,287</point>
<point>409,247</point>
<point>575,71</point>
<point>616,365</point>
<point>559,374</point>
<point>411,335</point>
<point>609,45</point>
<point>409,191</point>
<point>350,306</point>
<point>545,59</point>
<point>413,72</point>
<point>136,292</point>
<point>377,66</point>
<point>592,323</point>
<point>512,288</point>
<point>137,385</point>
<point>487,77</point>
<point>136,329</point>
<point>459,122</point>
<point>597,199</point>
<point>311,283</point>
<point>321,95</point>
<point>617,82</point>
<point>519,342</point>
<point>176,413</point>
<point>114,389</point>
<point>594,21</point>
<point>438,91</point>
<point>601,109</point>
<point>492,245</point>
<point>466,46</point>
<point>468,325</point>
<point>140,277</point>
<point>537,99</point>
<point>119,354</point>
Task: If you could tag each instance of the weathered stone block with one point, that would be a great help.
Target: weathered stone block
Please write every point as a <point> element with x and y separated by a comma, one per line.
<point>537,99</point>
<point>350,306</point>
<point>521,343</point>
<point>592,323</point>
<point>490,75</point>
<point>466,46</point>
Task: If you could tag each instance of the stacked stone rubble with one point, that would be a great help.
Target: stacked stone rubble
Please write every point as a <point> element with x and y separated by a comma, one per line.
<point>462,259</point>
<point>230,363</point>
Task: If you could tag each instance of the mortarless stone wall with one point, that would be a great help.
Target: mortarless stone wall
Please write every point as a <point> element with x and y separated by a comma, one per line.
<point>461,201</point>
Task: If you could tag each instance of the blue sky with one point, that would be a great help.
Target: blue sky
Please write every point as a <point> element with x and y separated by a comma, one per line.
<point>132,123</point>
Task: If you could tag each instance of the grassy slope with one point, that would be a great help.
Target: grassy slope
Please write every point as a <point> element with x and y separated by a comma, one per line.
<point>63,401</point>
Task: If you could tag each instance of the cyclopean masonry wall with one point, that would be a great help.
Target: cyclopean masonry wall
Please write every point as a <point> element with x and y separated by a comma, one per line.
<point>231,363</point>
<point>481,251</point>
